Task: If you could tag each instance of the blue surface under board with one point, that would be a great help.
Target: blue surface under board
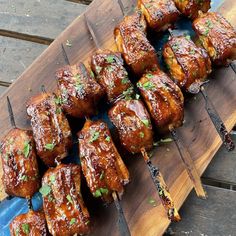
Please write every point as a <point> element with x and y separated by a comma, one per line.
<point>10,208</point>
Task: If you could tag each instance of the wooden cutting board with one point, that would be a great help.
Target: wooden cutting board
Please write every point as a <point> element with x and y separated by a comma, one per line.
<point>198,132</point>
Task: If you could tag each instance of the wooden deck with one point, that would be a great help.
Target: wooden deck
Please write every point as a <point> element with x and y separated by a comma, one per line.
<point>26,30</point>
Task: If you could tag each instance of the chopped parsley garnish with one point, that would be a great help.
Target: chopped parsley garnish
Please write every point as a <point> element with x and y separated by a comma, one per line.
<point>141,134</point>
<point>209,23</point>
<point>45,190</point>
<point>192,51</point>
<point>110,58</point>
<point>148,85</point>
<point>52,178</point>
<point>175,46</point>
<point>25,227</point>
<point>17,231</point>
<point>68,43</point>
<point>146,122</point>
<point>100,192</point>
<point>49,146</point>
<point>58,110</point>
<point>149,76</point>
<point>152,201</point>
<point>167,140</point>
<point>91,74</point>
<point>108,138</point>
<point>94,136</point>
<point>58,100</point>
<point>69,198</point>
<point>98,69</point>
<point>125,81</point>
<point>24,178</point>
<point>188,37</point>
<point>110,69</point>
<point>26,149</point>
<point>72,221</point>
<point>206,32</point>
<point>101,177</point>
<point>127,93</point>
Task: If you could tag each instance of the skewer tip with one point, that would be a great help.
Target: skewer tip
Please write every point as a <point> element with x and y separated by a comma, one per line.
<point>65,54</point>
<point>11,115</point>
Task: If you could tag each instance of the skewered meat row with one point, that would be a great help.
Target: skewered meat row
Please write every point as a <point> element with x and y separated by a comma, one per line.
<point>217,36</point>
<point>191,8</point>
<point>133,123</point>
<point>163,98</point>
<point>63,205</point>
<point>31,223</point>
<point>111,74</point>
<point>76,84</point>
<point>20,168</point>
<point>188,64</point>
<point>101,163</point>
<point>131,41</point>
<point>159,15</point>
<point>51,129</point>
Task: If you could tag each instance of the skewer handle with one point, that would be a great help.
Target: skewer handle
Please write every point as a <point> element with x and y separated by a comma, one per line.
<point>122,223</point>
<point>189,166</point>
<point>65,55</point>
<point>162,189</point>
<point>122,8</point>
<point>29,203</point>
<point>11,114</point>
<point>217,121</point>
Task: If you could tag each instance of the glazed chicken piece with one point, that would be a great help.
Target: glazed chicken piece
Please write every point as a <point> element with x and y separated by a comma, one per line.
<point>160,14</point>
<point>164,100</point>
<point>32,223</point>
<point>65,211</point>
<point>131,41</point>
<point>79,91</point>
<point>188,64</point>
<point>191,8</point>
<point>111,74</point>
<point>102,165</point>
<point>133,124</point>
<point>217,36</point>
<point>20,168</point>
<point>51,129</point>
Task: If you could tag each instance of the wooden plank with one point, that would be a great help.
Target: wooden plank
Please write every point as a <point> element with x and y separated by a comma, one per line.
<point>198,132</point>
<point>214,216</point>
<point>16,56</point>
<point>2,89</point>
<point>41,18</point>
<point>222,167</point>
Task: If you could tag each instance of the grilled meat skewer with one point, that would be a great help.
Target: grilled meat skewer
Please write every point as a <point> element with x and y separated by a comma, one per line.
<point>189,66</point>
<point>131,41</point>
<point>50,128</point>
<point>63,205</point>
<point>135,132</point>
<point>191,8</point>
<point>111,74</point>
<point>217,36</point>
<point>20,168</point>
<point>159,14</point>
<point>31,223</point>
<point>79,91</point>
<point>165,103</point>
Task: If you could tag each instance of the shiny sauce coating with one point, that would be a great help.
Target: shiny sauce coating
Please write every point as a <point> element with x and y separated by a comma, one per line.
<point>111,74</point>
<point>131,41</point>
<point>102,166</point>
<point>217,36</point>
<point>133,124</point>
<point>65,211</point>
<point>20,168</point>
<point>79,91</point>
<point>51,129</point>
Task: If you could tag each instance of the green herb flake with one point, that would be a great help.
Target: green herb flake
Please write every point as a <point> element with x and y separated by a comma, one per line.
<point>72,221</point>
<point>49,146</point>
<point>188,37</point>
<point>149,76</point>
<point>152,201</point>
<point>26,149</point>
<point>91,74</point>
<point>148,85</point>
<point>108,138</point>
<point>98,69</point>
<point>69,198</point>
<point>206,32</point>
<point>58,110</point>
<point>87,222</point>
<point>101,177</point>
<point>141,134</point>
<point>192,51</point>
<point>145,122</point>
<point>68,43</point>
<point>58,100</point>
<point>79,86</point>
<point>24,178</point>
<point>100,192</point>
<point>104,191</point>
<point>125,81</point>
<point>26,228</point>
<point>52,178</point>
<point>17,231</point>
<point>45,190</point>
<point>94,136</point>
<point>137,96</point>
<point>110,58</point>
<point>167,140</point>
<point>128,93</point>
<point>175,46</point>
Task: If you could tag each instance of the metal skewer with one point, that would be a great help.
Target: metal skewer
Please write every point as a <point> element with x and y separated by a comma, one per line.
<point>122,223</point>
<point>233,67</point>
<point>65,55</point>
<point>13,124</point>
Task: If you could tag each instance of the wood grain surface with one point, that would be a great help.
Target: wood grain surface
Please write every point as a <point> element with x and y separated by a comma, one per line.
<point>198,133</point>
